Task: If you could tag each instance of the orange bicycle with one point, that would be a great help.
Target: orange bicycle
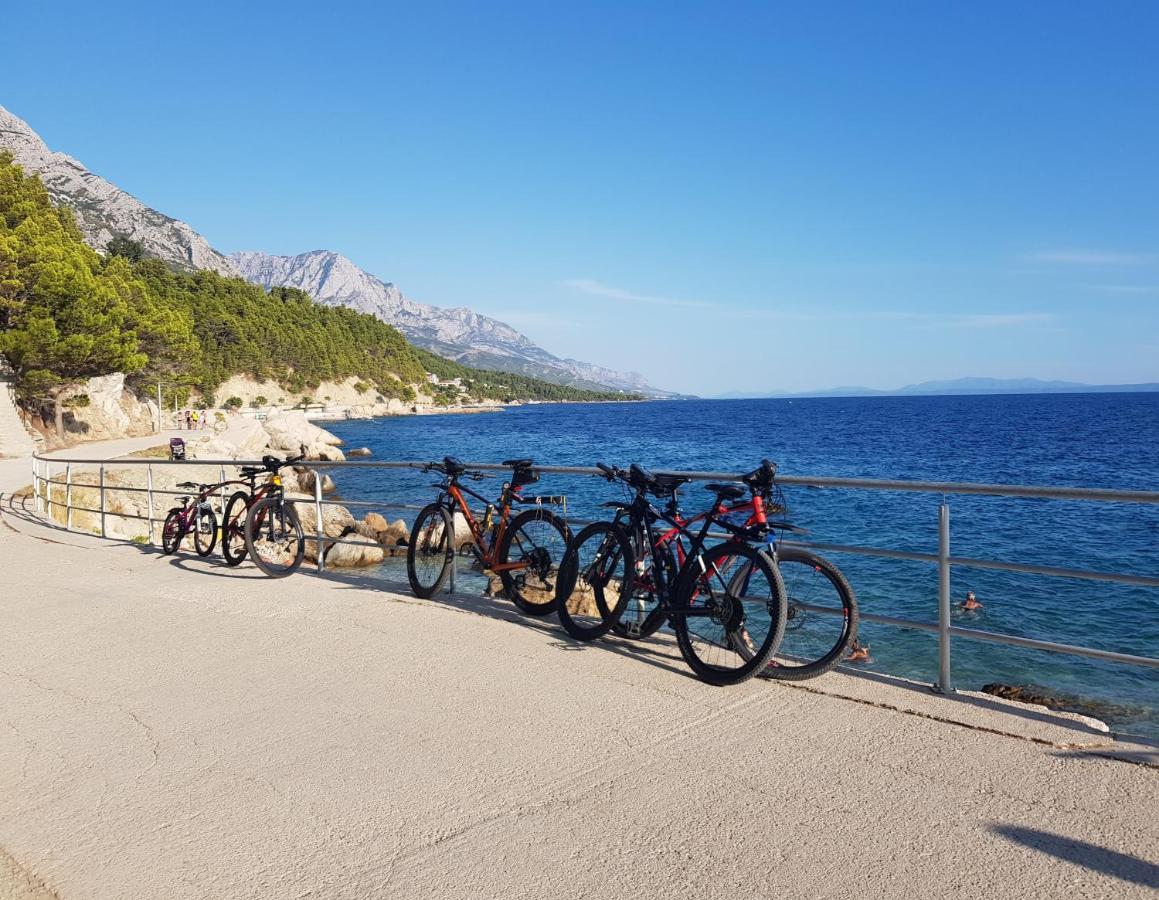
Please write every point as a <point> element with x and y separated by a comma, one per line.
<point>524,551</point>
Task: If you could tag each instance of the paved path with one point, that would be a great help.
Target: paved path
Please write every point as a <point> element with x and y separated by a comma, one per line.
<point>170,728</point>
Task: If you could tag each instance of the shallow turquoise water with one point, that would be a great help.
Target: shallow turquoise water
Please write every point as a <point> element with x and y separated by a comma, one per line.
<point>1104,440</point>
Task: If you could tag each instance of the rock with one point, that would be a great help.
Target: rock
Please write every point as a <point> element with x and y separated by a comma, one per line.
<point>359,451</point>
<point>306,478</point>
<point>110,413</point>
<point>364,552</point>
<point>390,535</point>
<point>336,520</point>
<point>375,523</point>
<point>291,431</point>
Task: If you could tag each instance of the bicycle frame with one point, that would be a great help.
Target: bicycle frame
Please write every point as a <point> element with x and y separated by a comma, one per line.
<point>485,553</point>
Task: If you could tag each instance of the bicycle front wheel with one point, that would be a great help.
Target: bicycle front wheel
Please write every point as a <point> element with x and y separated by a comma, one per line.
<point>233,528</point>
<point>205,531</point>
<point>274,538</point>
<point>821,621</point>
<point>729,613</point>
<point>595,581</point>
<point>534,541</point>
<point>431,551</point>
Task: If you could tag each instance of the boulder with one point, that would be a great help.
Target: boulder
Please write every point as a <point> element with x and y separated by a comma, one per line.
<point>291,431</point>
<point>363,552</point>
<point>388,534</point>
<point>306,478</point>
<point>359,451</point>
<point>336,520</point>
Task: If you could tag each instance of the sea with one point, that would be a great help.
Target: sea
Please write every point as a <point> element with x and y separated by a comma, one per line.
<point>1080,440</point>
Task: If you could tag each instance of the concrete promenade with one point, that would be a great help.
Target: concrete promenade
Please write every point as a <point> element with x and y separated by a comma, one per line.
<point>171,728</point>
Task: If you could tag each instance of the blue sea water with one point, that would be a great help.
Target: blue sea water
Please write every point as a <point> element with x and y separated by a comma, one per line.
<point>1082,440</point>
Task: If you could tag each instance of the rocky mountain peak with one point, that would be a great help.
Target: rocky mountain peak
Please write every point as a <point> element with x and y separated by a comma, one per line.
<point>103,210</point>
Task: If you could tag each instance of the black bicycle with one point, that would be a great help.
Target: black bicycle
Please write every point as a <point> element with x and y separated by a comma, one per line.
<point>274,539</point>
<point>726,603</point>
<point>523,550</point>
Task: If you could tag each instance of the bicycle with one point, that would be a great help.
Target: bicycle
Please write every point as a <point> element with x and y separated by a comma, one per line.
<point>274,539</point>
<point>715,599</point>
<point>523,550</point>
<point>192,515</point>
<point>233,546</point>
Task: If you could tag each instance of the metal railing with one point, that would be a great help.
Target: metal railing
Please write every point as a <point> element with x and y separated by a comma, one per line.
<point>43,482</point>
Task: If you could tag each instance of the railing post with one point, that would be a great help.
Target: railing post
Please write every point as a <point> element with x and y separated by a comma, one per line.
<point>68,497</point>
<point>945,683</point>
<point>48,490</point>
<point>319,552</point>
<point>454,559</point>
<point>149,488</point>
<point>102,490</point>
<point>35,486</point>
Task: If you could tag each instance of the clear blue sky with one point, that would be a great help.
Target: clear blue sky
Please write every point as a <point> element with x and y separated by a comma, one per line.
<point>726,197</point>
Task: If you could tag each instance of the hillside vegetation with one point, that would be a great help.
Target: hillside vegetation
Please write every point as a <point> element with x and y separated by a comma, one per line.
<point>68,313</point>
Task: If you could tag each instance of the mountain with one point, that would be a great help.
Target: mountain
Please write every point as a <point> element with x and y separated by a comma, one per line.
<point>103,210</point>
<point>972,386</point>
<point>459,334</point>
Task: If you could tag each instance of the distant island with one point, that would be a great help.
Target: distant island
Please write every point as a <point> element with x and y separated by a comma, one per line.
<point>960,386</point>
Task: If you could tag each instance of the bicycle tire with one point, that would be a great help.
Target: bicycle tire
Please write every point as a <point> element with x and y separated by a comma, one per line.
<point>172,531</point>
<point>802,641</point>
<point>233,528</point>
<point>587,618</point>
<point>271,523</point>
<point>205,538</point>
<point>710,645</point>
<point>515,583</point>
<point>650,613</point>
<point>433,523</point>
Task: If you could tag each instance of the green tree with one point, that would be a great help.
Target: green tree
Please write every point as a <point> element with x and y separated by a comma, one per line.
<point>125,247</point>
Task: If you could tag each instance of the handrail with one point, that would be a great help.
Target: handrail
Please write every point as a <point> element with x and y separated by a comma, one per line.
<point>943,559</point>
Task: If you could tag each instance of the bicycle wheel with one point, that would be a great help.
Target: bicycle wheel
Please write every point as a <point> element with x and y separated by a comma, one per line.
<point>205,531</point>
<point>729,615</point>
<point>233,528</point>
<point>595,581</point>
<point>431,551</point>
<point>537,539</point>
<point>172,531</point>
<point>644,613</point>
<point>273,537</point>
<point>821,620</point>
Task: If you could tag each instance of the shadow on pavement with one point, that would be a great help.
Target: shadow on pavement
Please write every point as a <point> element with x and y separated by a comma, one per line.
<point>1087,855</point>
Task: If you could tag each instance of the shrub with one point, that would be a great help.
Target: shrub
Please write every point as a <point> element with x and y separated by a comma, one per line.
<point>233,403</point>
<point>258,401</point>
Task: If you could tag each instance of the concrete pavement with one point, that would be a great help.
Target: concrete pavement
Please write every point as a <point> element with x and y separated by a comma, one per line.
<point>173,728</point>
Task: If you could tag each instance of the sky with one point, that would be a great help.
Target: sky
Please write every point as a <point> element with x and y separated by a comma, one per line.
<point>726,197</point>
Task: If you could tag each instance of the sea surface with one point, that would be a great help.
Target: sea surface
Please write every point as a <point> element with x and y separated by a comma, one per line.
<point>1083,440</point>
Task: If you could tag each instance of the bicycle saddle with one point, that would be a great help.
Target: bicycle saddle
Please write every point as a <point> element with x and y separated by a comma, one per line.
<point>726,491</point>
<point>454,465</point>
<point>192,485</point>
<point>666,485</point>
<point>519,463</point>
<point>249,471</point>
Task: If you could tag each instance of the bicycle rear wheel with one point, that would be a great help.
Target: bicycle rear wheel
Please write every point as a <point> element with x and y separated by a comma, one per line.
<point>729,614</point>
<point>233,528</point>
<point>205,531</point>
<point>821,621</point>
<point>172,531</point>
<point>595,581</point>
<point>537,539</point>
<point>274,538</point>
<point>431,551</point>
